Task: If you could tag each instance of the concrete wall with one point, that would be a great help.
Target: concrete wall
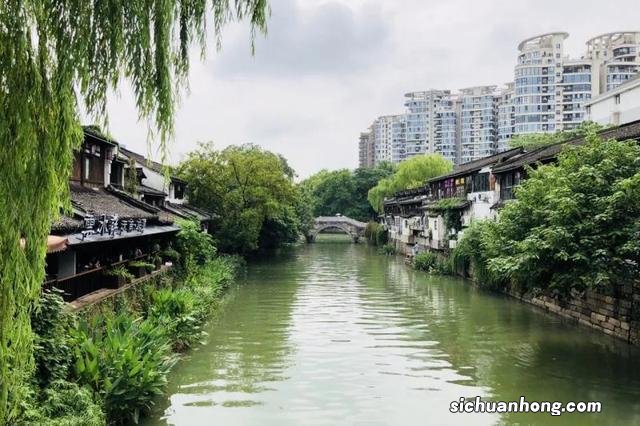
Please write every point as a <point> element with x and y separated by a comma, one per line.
<point>606,111</point>
<point>480,207</point>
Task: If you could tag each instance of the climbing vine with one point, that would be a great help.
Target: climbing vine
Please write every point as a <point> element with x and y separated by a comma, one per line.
<point>56,56</point>
<point>450,210</point>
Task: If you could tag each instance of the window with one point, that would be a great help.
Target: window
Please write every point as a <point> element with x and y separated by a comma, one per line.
<point>616,99</point>
<point>87,164</point>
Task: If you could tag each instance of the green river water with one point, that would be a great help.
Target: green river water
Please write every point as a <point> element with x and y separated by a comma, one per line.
<point>333,333</point>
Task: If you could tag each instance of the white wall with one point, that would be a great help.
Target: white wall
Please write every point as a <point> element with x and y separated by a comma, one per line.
<point>480,207</point>
<point>606,111</point>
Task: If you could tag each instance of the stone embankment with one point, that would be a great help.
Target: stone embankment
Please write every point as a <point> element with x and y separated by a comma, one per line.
<point>617,315</point>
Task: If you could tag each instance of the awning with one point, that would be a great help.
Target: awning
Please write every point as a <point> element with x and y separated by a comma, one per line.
<point>54,243</point>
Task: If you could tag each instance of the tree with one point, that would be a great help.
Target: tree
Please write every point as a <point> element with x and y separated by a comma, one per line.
<point>251,193</point>
<point>344,191</point>
<point>53,55</point>
<point>411,173</point>
<point>574,224</point>
<point>538,140</point>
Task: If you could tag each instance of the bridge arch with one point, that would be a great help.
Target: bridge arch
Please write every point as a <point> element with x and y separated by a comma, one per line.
<point>351,227</point>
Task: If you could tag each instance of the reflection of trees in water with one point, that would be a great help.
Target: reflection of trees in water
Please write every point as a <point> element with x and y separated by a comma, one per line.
<point>247,347</point>
<point>511,348</point>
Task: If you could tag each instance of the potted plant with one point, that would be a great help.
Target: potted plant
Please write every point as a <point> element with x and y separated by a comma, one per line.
<point>121,274</point>
<point>141,268</point>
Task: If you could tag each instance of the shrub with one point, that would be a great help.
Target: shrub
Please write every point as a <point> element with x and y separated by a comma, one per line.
<point>387,249</point>
<point>65,404</point>
<point>177,313</point>
<point>194,246</point>
<point>124,360</point>
<point>140,264</point>
<point>171,254</point>
<point>121,272</point>
<point>425,261</point>
<point>474,250</point>
<point>52,347</point>
<point>376,234</point>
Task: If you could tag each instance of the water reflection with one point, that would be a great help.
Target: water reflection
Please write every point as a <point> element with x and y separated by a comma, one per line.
<point>332,333</point>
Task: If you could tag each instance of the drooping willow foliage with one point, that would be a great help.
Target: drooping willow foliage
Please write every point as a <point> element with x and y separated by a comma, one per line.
<point>57,56</point>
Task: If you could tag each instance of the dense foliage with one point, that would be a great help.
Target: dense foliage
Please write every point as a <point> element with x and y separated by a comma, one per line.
<point>54,55</point>
<point>451,212</point>
<point>376,234</point>
<point>530,141</point>
<point>411,173</point>
<point>251,193</point>
<point>112,365</point>
<point>345,191</point>
<point>575,224</point>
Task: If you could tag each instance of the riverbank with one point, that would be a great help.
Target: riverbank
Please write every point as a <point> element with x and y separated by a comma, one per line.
<point>615,313</point>
<point>108,362</point>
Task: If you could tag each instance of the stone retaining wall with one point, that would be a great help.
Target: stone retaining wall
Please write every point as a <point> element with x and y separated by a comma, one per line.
<point>617,315</point>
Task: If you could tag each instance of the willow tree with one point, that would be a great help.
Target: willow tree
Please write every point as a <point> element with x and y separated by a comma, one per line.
<point>57,56</point>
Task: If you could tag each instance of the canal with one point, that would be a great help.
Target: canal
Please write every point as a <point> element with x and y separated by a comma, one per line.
<point>333,333</point>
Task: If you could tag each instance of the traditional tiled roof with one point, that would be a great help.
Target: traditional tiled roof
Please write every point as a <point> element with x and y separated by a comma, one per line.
<point>143,189</point>
<point>473,166</point>
<point>187,212</point>
<point>66,224</point>
<point>153,165</point>
<point>102,201</point>
<point>550,152</point>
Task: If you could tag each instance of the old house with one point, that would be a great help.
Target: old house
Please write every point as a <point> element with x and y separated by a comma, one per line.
<point>106,228</point>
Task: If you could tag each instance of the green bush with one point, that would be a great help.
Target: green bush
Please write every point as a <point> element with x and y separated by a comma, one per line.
<point>474,250</point>
<point>52,347</point>
<point>64,404</point>
<point>171,254</point>
<point>141,264</point>
<point>121,272</point>
<point>387,249</point>
<point>425,261</point>
<point>176,312</point>
<point>195,247</point>
<point>376,234</point>
<point>125,361</point>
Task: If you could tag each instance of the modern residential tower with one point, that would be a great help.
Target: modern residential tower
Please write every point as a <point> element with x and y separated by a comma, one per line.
<point>549,93</point>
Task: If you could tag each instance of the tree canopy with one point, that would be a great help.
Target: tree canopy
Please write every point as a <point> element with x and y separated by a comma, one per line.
<point>411,173</point>
<point>53,56</point>
<point>251,193</point>
<point>345,191</point>
<point>574,224</point>
<point>538,140</point>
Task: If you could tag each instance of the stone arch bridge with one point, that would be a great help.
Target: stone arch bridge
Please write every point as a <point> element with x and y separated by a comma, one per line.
<point>353,228</point>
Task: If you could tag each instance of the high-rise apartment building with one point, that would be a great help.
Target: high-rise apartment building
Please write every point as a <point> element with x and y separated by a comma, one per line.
<point>382,130</point>
<point>506,117</point>
<point>420,120</point>
<point>398,138</point>
<point>447,128</point>
<point>548,94</point>
<point>478,122</point>
<point>616,59</point>
<point>366,150</point>
<point>551,89</point>
<point>538,69</point>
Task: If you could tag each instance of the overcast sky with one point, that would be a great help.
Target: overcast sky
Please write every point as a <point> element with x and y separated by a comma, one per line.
<point>326,69</point>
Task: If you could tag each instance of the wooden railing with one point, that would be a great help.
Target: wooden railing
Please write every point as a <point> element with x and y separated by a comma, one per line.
<point>87,282</point>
